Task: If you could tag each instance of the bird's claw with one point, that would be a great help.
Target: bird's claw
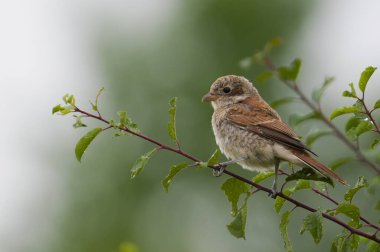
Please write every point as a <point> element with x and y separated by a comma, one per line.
<point>219,171</point>
<point>273,194</point>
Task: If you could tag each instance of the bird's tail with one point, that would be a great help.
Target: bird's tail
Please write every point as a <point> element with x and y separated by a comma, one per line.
<point>309,161</point>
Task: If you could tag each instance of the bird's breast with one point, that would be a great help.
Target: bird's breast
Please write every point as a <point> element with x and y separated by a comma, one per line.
<point>237,143</point>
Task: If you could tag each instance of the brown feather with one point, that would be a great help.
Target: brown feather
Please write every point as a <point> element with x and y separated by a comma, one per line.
<point>257,116</point>
<point>317,165</point>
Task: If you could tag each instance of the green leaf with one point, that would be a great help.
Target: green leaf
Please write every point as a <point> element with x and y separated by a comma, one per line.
<point>85,141</point>
<point>363,240</point>
<point>308,173</point>
<point>122,118</point>
<point>377,104</point>
<point>69,99</point>
<point>66,111</point>
<point>132,125</point>
<point>321,186</point>
<point>296,119</point>
<point>284,231</point>
<point>351,93</point>
<point>373,247</point>
<point>353,242</point>
<point>65,97</point>
<point>263,77</point>
<point>237,226</point>
<point>125,121</point>
<point>57,108</point>
<point>215,157</point>
<point>343,110</point>
<point>340,162</point>
<point>347,94</point>
<point>140,163</point>
<point>353,122</point>
<point>365,76</point>
<point>341,243</point>
<point>314,224</point>
<point>317,94</point>
<point>233,188</point>
<point>350,128</point>
<point>62,110</point>
<point>312,137</point>
<point>173,171</point>
<point>360,105</point>
<point>172,122</point>
<point>350,211</point>
<point>262,176</point>
<point>277,103</point>
<point>95,105</point>
<point>361,183</point>
<point>374,143</point>
<point>279,202</point>
<point>291,72</point>
<point>301,184</point>
<point>363,127</point>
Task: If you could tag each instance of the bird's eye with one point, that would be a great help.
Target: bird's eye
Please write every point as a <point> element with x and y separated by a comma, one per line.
<point>226,90</point>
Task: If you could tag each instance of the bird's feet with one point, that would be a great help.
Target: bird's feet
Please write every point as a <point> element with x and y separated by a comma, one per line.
<point>220,169</point>
<point>273,194</point>
<point>222,166</point>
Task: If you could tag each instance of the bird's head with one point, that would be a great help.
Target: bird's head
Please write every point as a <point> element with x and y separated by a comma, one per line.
<point>229,89</point>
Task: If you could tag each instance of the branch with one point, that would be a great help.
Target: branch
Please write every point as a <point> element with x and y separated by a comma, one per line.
<point>293,85</point>
<point>369,114</point>
<point>258,187</point>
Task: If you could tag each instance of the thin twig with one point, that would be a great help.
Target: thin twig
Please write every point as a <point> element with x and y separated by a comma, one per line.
<point>255,191</point>
<point>247,181</point>
<point>106,128</point>
<point>294,208</point>
<point>369,114</point>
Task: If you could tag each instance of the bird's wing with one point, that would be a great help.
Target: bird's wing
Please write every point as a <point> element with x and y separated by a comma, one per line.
<point>261,119</point>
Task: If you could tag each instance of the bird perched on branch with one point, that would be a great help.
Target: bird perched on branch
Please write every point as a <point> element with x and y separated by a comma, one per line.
<point>250,133</point>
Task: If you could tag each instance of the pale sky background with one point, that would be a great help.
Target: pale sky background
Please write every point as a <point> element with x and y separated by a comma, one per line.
<point>47,50</point>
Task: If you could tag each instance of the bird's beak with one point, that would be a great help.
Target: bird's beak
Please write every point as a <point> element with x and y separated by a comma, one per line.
<point>209,97</point>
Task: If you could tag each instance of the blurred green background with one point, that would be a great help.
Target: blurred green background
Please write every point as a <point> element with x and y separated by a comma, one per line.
<point>144,54</point>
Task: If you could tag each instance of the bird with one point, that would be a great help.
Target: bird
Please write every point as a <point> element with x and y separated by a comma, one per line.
<point>249,132</point>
